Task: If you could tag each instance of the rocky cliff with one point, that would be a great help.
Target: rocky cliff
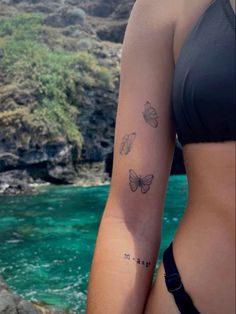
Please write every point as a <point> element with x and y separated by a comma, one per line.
<point>59,78</point>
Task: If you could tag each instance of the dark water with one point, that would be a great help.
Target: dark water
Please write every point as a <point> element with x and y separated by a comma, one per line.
<point>47,240</point>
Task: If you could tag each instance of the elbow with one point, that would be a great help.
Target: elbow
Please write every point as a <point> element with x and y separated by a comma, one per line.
<point>142,222</point>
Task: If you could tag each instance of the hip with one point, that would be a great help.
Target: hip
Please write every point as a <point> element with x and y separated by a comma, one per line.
<point>204,252</point>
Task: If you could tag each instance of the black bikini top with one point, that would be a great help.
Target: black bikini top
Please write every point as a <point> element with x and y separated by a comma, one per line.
<point>203,90</point>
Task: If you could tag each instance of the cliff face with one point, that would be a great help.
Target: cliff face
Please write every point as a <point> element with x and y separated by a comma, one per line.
<point>59,79</point>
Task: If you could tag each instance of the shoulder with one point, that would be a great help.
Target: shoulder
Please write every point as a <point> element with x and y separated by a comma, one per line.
<point>152,24</point>
<point>156,12</point>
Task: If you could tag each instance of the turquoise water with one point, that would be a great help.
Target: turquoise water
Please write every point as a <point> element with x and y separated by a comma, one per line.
<point>47,239</point>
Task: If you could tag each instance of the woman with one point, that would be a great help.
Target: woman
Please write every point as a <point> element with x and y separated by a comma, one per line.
<point>177,76</point>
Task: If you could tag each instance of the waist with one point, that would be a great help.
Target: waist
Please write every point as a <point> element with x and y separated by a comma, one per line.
<point>210,169</point>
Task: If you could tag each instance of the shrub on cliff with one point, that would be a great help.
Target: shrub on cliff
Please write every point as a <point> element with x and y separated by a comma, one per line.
<point>53,74</point>
<point>66,16</point>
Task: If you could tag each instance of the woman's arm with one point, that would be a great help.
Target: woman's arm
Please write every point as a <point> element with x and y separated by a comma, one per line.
<point>129,235</point>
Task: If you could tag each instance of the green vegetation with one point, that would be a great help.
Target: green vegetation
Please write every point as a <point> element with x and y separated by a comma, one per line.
<point>52,73</point>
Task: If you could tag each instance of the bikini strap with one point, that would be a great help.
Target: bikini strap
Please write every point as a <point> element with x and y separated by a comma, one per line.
<point>175,285</point>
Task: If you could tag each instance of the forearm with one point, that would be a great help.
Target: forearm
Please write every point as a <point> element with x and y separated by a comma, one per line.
<point>122,269</point>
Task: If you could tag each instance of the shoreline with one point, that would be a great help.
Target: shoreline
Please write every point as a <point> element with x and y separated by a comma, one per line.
<point>33,188</point>
<point>13,303</point>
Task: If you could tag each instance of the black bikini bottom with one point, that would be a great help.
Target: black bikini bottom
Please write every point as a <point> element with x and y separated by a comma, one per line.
<point>175,285</point>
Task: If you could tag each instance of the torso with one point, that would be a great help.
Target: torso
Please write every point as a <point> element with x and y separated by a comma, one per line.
<point>204,243</point>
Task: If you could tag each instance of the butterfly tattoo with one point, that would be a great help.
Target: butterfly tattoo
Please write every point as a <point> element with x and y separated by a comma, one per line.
<point>127,142</point>
<point>136,181</point>
<point>150,115</point>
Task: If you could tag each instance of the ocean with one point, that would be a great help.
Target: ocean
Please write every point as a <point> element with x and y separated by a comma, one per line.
<point>47,239</point>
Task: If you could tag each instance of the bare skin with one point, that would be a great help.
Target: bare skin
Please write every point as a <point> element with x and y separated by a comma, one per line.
<point>129,234</point>
<point>204,243</point>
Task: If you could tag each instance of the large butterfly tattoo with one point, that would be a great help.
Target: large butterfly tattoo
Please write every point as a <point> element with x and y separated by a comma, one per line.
<point>150,115</point>
<point>127,142</point>
<point>136,181</point>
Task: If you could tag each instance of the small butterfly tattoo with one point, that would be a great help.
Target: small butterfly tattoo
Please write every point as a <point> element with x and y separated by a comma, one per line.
<point>150,115</point>
<point>136,181</point>
<point>127,142</point>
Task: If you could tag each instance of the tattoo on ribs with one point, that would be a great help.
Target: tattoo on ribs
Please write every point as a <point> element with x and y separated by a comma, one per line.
<point>136,181</point>
<point>150,115</point>
<point>126,143</point>
<point>137,260</point>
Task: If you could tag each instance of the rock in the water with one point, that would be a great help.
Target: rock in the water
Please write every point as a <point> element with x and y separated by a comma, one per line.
<point>26,307</point>
<point>7,303</point>
<point>11,303</point>
<point>16,182</point>
<point>3,285</point>
<point>8,300</point>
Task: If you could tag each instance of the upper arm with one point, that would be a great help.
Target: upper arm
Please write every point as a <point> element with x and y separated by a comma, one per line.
<point>144,143</point>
